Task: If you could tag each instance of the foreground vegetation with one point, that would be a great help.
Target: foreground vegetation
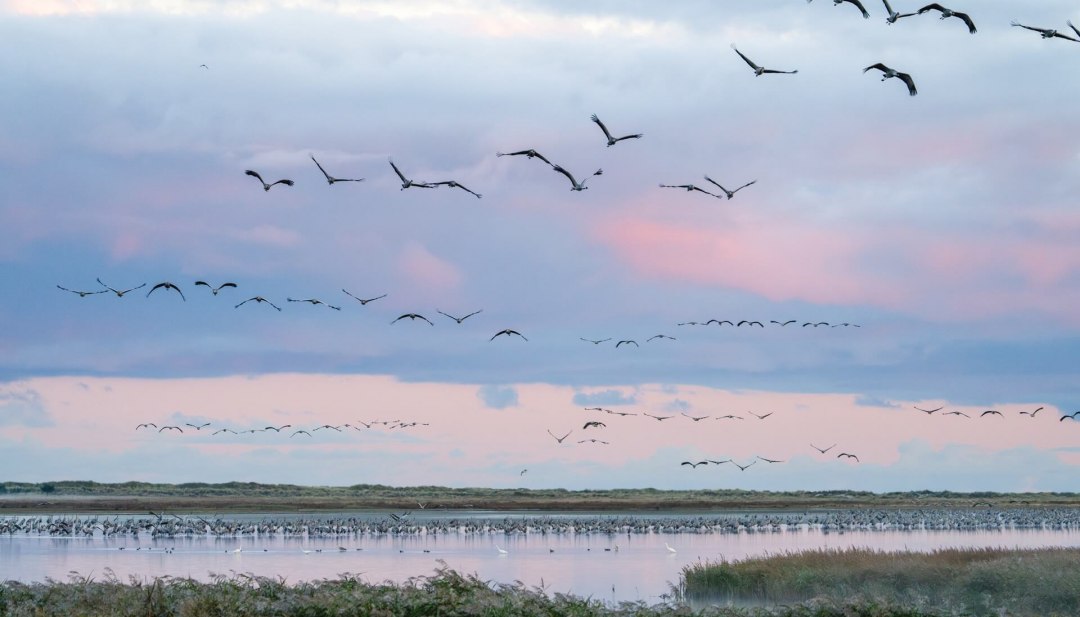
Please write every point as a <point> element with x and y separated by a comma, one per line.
<point>446,593</point>
<point>84,496</point>
<point>1039,582</point>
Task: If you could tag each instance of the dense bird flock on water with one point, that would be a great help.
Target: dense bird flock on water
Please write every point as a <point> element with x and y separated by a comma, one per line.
<point>575,185</point>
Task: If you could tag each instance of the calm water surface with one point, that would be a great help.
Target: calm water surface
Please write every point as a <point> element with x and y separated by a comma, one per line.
<point>608,567</point>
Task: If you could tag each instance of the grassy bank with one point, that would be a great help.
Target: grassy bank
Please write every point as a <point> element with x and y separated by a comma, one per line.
<point>1037,582</point>
<point>446,593</point>
<point>85,496</point>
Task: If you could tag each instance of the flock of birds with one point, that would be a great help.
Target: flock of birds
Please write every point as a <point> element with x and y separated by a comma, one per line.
<point>198,427</point>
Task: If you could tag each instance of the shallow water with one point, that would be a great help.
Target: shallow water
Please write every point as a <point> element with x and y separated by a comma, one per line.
<point>610,567</point>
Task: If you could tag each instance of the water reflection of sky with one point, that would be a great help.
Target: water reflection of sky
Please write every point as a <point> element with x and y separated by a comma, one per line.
<point>642,568</point>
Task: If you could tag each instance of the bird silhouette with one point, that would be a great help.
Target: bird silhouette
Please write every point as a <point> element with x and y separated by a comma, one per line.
<point>763,416</point>
<point>330,179</point>
<point>315,302</point>
<point>170,428</point>
<point>215,290</point>
<point>574,184</point>
<point>783,323</point>
<point>946,13</point>
<point>888,73</point>
<point>460,319</point>
<point>658,418</point>
<point>748,323</point>
<point>744,467</point>
<point>593,424</point>
<point>694,464</point>
<point>146,425</point>
<point>530,153</point>
<point>364,301</point>
<point>769,460</point>
<point>689,188</point>
<point>1048,33</point>
<point>822,450</point>
<point>407,183</point>
<point>600,441</point>
<point>1031,413</point>
<point>83,294</point>
<point>266,187</point>
<point>759,70</point>
<point>197,427</point>
<point>893,15</point>
<point>991,412</point>
<point>695,418</point>
<point>596,341</point>
<point>507,332</point>
<point>412,317</point>
<point>929,411</point>
<point>659,336</point>
<point>119,293</point>
<point>166,285</point>
<point>627,342</point>
<point>300,432</point>
<point>260,300</point>
<point>611,141</point>
<point>557,438</point>
<point>1071,416</point>
<point>457,185</point>
<point>847,455</point>
<point>730,194</point>
<point>956,413</point>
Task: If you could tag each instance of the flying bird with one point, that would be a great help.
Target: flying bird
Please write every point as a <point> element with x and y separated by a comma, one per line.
<point>946,13</point>
<point>822,450</point>
<point>611,141</point>
<point>744,467</point>
<point>750,323</point>
<point>458,185</point>
<point>83,294</point>
<point>619,413</point>
<point>857,5</point>
<point>660,336</point>
<point>929,411</point>
<point>301,432</point>
<point>197,427</point>
<point>769,460</point>
<point>783,323</point>
<point>846,455</point>
<point>1074,28</point>
<point>759,70</point>
<point>720,322</point>
<point>991,412</point>
<point>695,418</point>
<point>532,154</point>
<point>596,341</point>
<point>593,424</point>
<point>315,302</point>
<point>224,430</point>
<point>1071,416</point>
<point>266,187</point>
<point>763,416</point>
<point>459,319</point>
<point>412,317</point>
<point>1049,33</point>
<point>593,441</point>
<point>893,15</point>
<point>1031,413</point>
<point>146,425</point>
<point>364,301</point>
<point>730,194</point>
<point>689,188</point>
<point>507,332</point>
<point>331,179</point>
<point>170,428</point>
<point>956,413</point>
<point>888,73</point>
<point>407,183</point>
<point>693,464</point>
<point>627,342</point>
<point>277,429</point>
<point>166,285</point>
<point>119,293</point>
<point>730,417</point>
<point>574,184</point>
<point>215,290</point>
<point>258,299</point>
<point>557,438</point>
<point>658,418</point>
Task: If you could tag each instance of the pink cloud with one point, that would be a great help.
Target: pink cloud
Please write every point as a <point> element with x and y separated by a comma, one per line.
<point>425,270</point>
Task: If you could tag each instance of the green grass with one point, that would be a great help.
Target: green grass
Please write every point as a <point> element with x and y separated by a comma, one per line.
<point>140,496</point>
<point>1037,582</point>
<point>446,593</point>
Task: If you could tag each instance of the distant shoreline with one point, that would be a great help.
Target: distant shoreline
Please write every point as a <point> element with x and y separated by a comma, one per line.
<point>134,497</point>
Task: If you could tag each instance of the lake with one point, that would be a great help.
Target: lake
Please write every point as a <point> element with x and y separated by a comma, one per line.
<point>605,566</point>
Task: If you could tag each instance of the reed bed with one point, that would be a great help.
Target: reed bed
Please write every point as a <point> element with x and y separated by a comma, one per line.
<point>446,593</point>
<point>1035,582</point>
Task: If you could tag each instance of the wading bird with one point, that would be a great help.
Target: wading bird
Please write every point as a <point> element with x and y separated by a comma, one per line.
<point>597,341</point>
<point>730,194</point>
<point>759,70</point>
<point>593,424</point>
<point>611,141</point>
<point>574,184</point>
<point>412,317</point>
<point>929,411</point>
<point>1049,33</point>
<point>258,299</point>
<point>945,13</point>
<point>364,301</point>
<point>669,549</point>
<point>331,179</point>
<point>166,285</point>
<point>689,188</point>
<point>407,183</point>
<point>457,185</point>
<point>83,294</point>
<point>893,15</point>
<point>557,438</point>
<point>315,302</point>
<point>215,290</point>
<point>507,332</point>
<point>846,455</point>
<point>888,73</point>
<point>266,187</point>
<point>532,154</point>
<point>459,319</point>
<point>823,451</point>
<point>119,293</point>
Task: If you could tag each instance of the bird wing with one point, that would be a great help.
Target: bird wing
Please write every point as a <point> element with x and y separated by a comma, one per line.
<point>716,183</point>
<point>744,186</point>
<point>283,181</point>
<point>224,285</point>
<point>563,171</point>
<point>398,171</point>
<point>328,177</point>
<point>634,136</point>
<point>1066,37</point>
<point>931,7</point>
<point>910,83</point>
<point>255,175</point>
<point>887,7</point>
<point>861,8</point>
<point>745,59</point>
<point>602,127</point>
<point>1032,28</point>
<point>879,66</point>
<point>1074,28</point>
<point>967,20</point>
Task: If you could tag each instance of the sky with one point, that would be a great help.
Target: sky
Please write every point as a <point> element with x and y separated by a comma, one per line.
<point>941,227</point>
